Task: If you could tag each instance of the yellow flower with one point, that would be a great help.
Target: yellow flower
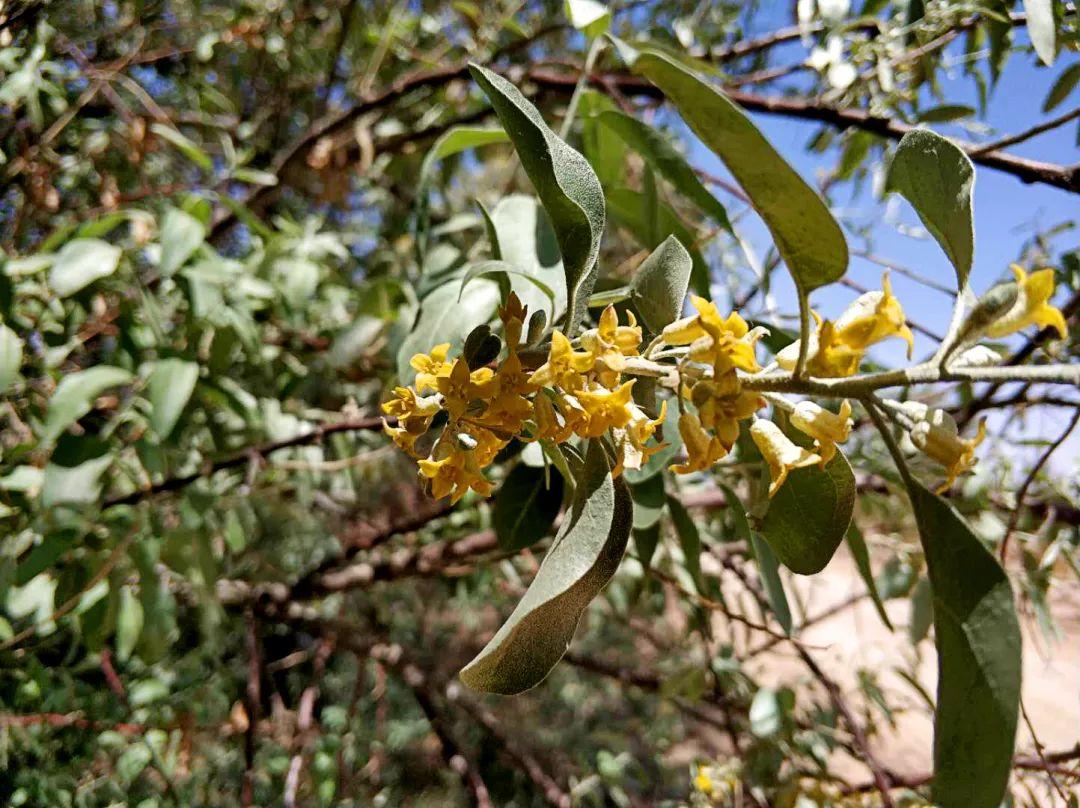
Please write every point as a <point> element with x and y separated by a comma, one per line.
<point>702,449</point>
<point>606,408</point>
<point>460,387</point>
<point>723,343</point>
<point>827,356</point>
<point>630,441</point>
<point>779,452</point>
<point>610,343</point>
<point>508,409</point>
<point>702,781</point>
<point>1032,306</point>
<point>550,424</point>
<point>935,433</point>
<point>564,366</point>
<point>413,414</point>
<point>430,367</point>
<point>872,317</point>
<point>721,404</point>
<point>826,428</point>
<point>456,464</point>
<point>513,319</point>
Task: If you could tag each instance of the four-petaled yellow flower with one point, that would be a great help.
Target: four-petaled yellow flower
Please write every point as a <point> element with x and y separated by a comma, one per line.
<point>461,387</point>
<point>702,449</point>
<point>430,367</point>
<point>565,366</point>
<point>826,428</point>
<point>1032,306</point>
<point>722,403</point>
<point>780,453</point>
<point>723,343</point>
<point>631,442</point>
<point>610,343</point>
<point>606,408</point>
<point>935,433</point>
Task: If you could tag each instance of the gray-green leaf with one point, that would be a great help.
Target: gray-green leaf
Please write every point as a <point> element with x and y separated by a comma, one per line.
<point>526,506</point>
<point>768,566</point>
<point>806,234</point>
<point>810,514</point>
<point>659,286</point>
<point>181,235</point>
<point>171,383</point>
<point>857,546</point>
<point>584,556</point>
<point>11,354</point>
<point>75,395</point>
<point>1042,28</point>
<point>938,179</point>
<point>1062,86</point>
<point>565,182</point>
<point>661,155</point>
<point>80,262</point>
<point>978,644</point>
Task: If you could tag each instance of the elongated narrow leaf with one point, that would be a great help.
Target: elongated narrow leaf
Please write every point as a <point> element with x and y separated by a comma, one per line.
<point>689,539</point>
<point>649,500</point>
<point>1042,28</point>
<point>768,566</point>
<point>857,546</point>
<point>527,242</point>
<point>810,514</point>
<point>186,146</point>
<point>1062,87</point>
<point>565,182</point>
<point>938,179</point>
<point>605,151</point>
<point>581,561</point>
<point>806,234</point>
<point>659,286</point>
<point>978,644</point>
<point>501,272</point>
<point>11,354</point>
<point>75,395</point>
<point>665,161</point>
<point>526,506</point>
<point>169,388</point>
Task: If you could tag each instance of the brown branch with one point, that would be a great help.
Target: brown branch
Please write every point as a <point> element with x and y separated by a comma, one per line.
<point>1027,134</point>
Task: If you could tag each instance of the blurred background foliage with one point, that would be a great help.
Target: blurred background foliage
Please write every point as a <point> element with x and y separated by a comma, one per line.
<point>221,586</point>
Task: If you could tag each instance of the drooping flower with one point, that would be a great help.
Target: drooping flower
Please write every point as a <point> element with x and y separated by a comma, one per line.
<point>413,413</point>
<point>724,343</point>
<point>457,462</point>
<point>702,449</point>
<point>779,452</point>
<point>936,434</point>
<point>430,367</point>
<point>631,442</point>
<point>722,403</point>
<point>827,356</point>
<point>565,366</point>
<point>1032,306</point>
<point>826,428</point>
<point>508,408</point>
<point>873,317</point>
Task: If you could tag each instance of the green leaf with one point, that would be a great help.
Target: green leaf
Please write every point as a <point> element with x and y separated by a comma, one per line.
<point>158,604</point>
<point>978,643</point>
<point>169,388</point>
<point>183,145</point>
<point>659,286</point>
<point>1062,86</point>
<point>661,155</point>
<point>502,272</point>
<point>567,187</point>
<point>585,554</point>
<point>181,235</point>
<point>945,112</point>
<point>588,16</point>
<point>645,544</point>
<point>648,501</point>
<point>80,262</point>
<point>1042,28</point>
<point>810,514</point>
<point>129,624</point>
<point>526,506</point>
<point>625,205</point>
<point>806,234</point>
<point>74,485</point>
<point>857,545</point>
<point>11,354</point>
<point>75,394</point>
<point>605,151</point>
<point>453,141</point>
<point>527,242</point>
<point>922,611</point>
<point>768,567</point>
<point>938,179</point>
<point>689,539</point>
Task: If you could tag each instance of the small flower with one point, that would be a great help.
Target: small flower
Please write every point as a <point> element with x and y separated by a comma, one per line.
<point>430,367</point>
<point>1032,306</point>
<point>508,409</point>
<point>873,317</point>
<point>565,366</point>
<point>702,449</point>
<point>827,356</point>
<point>610,343</point>
<point>935,433</point>
<point>721,404</point>
<point>702,781</point>
<point>413,414</point>
<point>513,319</point>
<point>779,452</point>
<point>550,425</point>
<point>724,343</point>
<point>631,441</point>
<point>826,428</point>
<point>830,61</point>
<point>460,387</point>
<point>457,462</point>
<point>606,408</point>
